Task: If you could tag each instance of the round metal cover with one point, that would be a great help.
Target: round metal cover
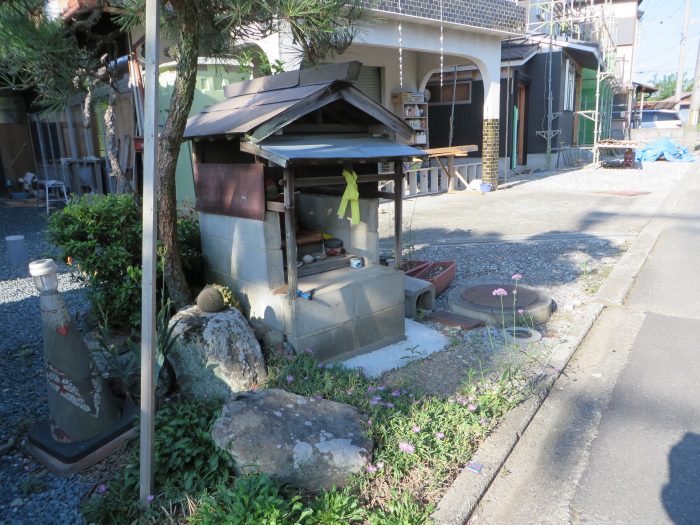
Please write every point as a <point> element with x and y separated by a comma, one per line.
<point>532,306</point>
<point>483,295</point>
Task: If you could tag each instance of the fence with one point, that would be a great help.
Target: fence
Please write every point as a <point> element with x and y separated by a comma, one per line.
<point>431,181</point>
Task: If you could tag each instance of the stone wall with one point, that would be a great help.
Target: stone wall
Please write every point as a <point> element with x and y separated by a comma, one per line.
<point>498,15</point>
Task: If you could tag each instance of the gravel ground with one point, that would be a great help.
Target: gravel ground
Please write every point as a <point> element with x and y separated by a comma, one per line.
<point>654,176</point>
<point>28,493</point>
<point>569,271</point>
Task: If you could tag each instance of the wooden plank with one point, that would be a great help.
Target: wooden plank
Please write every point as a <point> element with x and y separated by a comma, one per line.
<point>398,224</point>
<point>275,206</point>
<point>254,149</point>
<point>290,234</point>
<point>310,182</point>
<point>325,265</point>
<point>453,150</point>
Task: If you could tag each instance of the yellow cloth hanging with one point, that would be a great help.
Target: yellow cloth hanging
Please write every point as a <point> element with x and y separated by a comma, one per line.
<point>351,195</point>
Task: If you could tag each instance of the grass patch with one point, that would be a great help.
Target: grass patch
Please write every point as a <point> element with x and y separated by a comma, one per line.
<point>421,443</point>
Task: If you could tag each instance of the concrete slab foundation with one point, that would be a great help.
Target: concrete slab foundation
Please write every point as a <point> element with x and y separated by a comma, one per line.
<point>421,341</point>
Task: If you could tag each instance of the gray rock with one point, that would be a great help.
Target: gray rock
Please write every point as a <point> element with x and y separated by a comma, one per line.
<point>215,354</point>
<point>307,443</point>
<point>273,339</point>
<point>260,328</point>
<point>210,299</point>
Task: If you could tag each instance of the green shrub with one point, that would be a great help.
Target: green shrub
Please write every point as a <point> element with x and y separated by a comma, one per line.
<point>191,250</point>
<point>186,461</point>
<point>253,500</point>
<point>102,236</point>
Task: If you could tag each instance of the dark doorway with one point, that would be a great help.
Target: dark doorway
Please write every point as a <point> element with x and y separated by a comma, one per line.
<point>522,116</point>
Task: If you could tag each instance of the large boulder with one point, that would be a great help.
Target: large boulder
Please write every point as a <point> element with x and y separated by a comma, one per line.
<point>307,443</point>
<point>215,354</point>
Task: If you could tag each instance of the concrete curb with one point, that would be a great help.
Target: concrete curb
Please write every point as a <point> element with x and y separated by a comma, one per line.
<point>465,493</point>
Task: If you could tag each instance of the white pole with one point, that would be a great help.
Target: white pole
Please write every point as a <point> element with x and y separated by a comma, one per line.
<point>695,99</point>
<point>681,55</point>
<point>148,282</point>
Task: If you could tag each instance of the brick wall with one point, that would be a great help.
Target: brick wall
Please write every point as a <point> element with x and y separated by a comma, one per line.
<point>489,155</point>
<point>500,15</point>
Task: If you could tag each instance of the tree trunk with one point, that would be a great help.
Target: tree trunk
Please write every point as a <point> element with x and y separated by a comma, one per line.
<point>112,150</point>
<point>169,149</point>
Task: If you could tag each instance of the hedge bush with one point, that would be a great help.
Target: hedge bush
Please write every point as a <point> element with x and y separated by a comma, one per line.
<point>101,236</point>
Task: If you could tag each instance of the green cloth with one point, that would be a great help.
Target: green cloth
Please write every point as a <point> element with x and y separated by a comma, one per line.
<point>351,195</point>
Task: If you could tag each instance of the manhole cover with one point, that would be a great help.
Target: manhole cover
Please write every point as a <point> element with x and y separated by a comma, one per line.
<point>483,295</point>
<point>531,305</point>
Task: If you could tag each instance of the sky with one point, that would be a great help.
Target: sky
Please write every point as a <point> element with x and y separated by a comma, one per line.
<point>660,36</point>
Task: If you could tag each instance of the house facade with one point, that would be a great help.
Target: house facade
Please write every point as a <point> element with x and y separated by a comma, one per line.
<point>407,46</point>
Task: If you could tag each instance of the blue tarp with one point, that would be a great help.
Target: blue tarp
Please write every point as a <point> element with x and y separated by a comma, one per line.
<point>666,148</point>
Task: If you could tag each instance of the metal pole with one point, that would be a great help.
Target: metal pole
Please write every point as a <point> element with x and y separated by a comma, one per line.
<point>550,117</point>
<point>695,99</point>
<point>596,119</point>
<point>681,53</point>
<point>148,282</point>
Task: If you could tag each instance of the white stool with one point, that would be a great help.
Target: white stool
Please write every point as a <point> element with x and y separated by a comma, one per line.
<point>56,185</point>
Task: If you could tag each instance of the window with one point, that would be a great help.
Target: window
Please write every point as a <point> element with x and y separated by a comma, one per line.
<point>569,86</point>
<point>443,94</point>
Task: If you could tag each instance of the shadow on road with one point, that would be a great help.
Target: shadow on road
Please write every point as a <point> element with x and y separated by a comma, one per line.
<point>681,495</point>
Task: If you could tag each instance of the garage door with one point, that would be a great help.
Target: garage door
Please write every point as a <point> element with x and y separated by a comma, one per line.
<point>370,82</point>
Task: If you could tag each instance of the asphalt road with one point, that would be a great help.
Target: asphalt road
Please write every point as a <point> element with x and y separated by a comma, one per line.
<point>618,439</point>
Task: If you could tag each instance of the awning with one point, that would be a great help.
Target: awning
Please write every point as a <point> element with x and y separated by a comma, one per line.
<point>585,55</point>
<point>285,151</point>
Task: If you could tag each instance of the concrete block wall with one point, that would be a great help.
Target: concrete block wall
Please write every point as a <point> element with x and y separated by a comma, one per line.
<point>690,138</point>
<point>245,255</point>
<point>352,311</point>
<point>320,213</point>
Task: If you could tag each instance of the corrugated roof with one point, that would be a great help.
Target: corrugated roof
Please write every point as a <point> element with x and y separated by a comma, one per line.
<point>242,114</point>
<point>324,147</point>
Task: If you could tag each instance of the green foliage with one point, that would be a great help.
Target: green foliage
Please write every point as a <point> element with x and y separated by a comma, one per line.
<point>252,500</point>
<point>38,53</point>
<point>186,461</point>
<point>336,507</point>
<point>124,369</point>
<point>442,433</point>
<point>229,299</point>
<point>102,235</point>
<point>321,28</point>
<point>254,62</point>
<point>666,86</point>
<point>401,510</point>
<point>191,249</point>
